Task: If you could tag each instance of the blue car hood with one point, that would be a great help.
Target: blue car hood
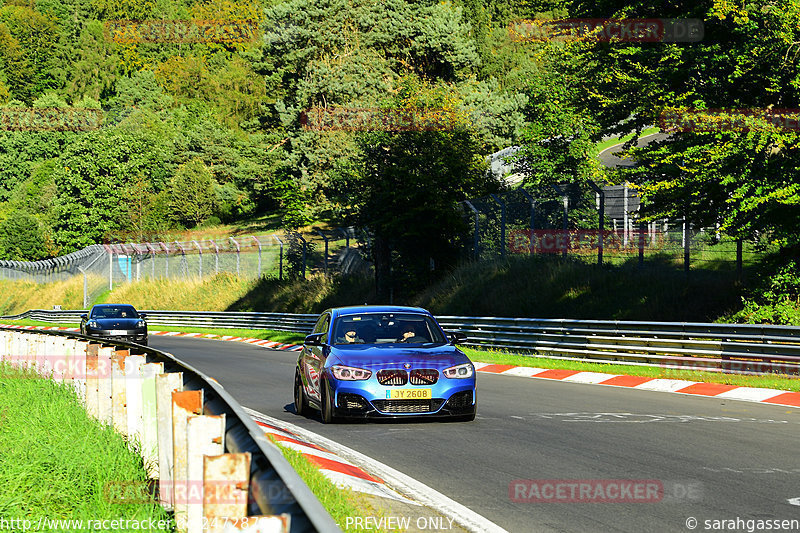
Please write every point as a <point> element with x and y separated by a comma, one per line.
<point>117,323</point>
<point>369,356</point>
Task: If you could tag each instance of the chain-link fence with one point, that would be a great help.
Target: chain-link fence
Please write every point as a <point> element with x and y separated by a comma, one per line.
<point>599,224</point>
<point>106,266</point>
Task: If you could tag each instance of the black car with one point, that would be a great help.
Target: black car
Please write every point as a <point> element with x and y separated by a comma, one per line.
<point>115,322</point>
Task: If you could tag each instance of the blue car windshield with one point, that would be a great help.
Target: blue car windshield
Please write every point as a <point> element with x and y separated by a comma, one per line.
<point>387,328</point>
<point>116,311</point>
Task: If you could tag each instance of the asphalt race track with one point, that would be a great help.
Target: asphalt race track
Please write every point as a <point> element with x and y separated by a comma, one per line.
<point>715,459</point>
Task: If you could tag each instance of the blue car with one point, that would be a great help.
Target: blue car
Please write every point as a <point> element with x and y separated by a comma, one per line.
<point>380,361</point>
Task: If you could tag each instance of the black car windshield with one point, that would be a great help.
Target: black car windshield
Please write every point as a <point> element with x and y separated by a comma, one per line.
<point>387,328</point>
<point>115,311</point>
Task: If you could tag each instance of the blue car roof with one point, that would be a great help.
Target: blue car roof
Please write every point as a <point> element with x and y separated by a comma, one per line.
<point>358,309</point>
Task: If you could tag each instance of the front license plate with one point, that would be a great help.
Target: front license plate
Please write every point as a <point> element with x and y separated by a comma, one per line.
<point>408,394</point>
<point>118,332</point>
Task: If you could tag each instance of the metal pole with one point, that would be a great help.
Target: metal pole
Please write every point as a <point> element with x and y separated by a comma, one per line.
<point>685,245</point>
<point>304,254</point>
<point>166,264</point>
<point>200,253</point>
<point>502,224</point>
<point>280,258</point>
<point>476,238</point>
<point>739,250</point>
<point>324,238</point>
<point>533,218</point>
<point>110,268</point>
<point>237,254</point>
<point>259,254</point>
<point>642,228</point>
<point>625,214</point>
<point>601,218</point>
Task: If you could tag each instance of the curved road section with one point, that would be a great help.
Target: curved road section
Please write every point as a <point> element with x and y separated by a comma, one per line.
<point>553,456</point>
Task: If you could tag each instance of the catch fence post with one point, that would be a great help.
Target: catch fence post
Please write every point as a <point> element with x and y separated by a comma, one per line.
<point>280,258</point>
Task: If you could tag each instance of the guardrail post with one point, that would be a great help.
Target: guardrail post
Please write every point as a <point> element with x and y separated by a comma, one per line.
<point>149,417</point>
<point>79,369</point>
<point>184,404</point>
<point>166,384</point>
<point>104,385</point>
<point>119,414</point>
<point>226,480</point>
<point>92,391</point>
<point>205,436</point>
<point>133,396</point>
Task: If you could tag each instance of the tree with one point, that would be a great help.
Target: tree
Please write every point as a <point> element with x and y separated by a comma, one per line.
<point>192,193</point>
<point>404,188</point>
<point>22,238</point>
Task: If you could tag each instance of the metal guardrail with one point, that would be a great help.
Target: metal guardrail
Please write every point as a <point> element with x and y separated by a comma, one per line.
<point>274,487</point>
<point>732,348</point>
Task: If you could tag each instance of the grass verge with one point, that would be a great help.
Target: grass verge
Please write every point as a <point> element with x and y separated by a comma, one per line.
<point>340,503</point>
<point>56,463</point>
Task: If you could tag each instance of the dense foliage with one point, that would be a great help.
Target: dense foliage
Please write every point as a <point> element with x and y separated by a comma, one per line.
<point>194,131</point>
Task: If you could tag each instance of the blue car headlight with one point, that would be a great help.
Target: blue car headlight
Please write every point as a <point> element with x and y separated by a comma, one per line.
<point>141,324</point>
<point>349,373</point>
<point>460,371</point>
<point>93,324</point>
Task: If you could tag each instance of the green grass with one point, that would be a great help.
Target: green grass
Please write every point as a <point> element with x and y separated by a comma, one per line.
<point>55,461</point>
<point>781,382</point>
<point>549,287</point>
<point>340,503</point>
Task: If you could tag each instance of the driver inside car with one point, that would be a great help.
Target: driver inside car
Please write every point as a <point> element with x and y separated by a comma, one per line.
<point>350,337</point>
<point>409,332</point>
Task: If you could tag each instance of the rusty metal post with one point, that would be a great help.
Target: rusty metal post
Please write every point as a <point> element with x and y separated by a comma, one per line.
<point>133,396</point>
<point>92,392</point>
<point>119,414</point>
<point>166,384</point>
<point>226,480</point>
<point>184,404</point>
<point>104,385</point>
<point>149,417</point>
<point>205,436</point>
